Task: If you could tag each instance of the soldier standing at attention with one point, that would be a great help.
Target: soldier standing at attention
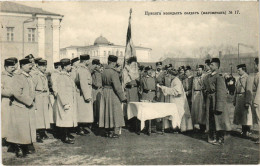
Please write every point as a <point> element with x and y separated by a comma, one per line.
<point>198,112</point>
<point>159,80</point>
<point>243,100</point>
<point>111,115</point>
<point>74,67</point>
<point>96,89</point>
<point>217,115</point>
<point>84,99</point>
<point>22,125</point>
<point>66,115</point>
<point>41,100</point>
<point>187,84</point>
<point>6,94</point>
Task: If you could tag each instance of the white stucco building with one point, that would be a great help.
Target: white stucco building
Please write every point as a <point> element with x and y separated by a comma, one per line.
<point>102,48</point>
<point>28,30</point>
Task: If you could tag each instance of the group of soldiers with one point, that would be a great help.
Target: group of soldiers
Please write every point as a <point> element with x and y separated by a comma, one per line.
<point>82,93</point>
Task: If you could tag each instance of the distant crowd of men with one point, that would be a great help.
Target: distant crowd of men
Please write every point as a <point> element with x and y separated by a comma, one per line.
<point>82,93</point>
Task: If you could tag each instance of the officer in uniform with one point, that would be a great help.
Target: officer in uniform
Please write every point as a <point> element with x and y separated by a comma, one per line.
<point>148,86</point>
<point>217,115</point>
<point>22,125</point>
<point>243,100</point>
<point>111,114</point>
<point>187,84</point>
<point>6,94</point>
<point>160,74</point>
<point>41,100</point>
<point>198,112</point>
<point>74,64</point>
<point>96,89</point>
<point>84,99</point>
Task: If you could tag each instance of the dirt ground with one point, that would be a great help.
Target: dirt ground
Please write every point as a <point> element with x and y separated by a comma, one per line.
<point>188,148</point>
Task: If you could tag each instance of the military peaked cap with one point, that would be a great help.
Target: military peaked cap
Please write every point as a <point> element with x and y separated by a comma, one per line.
<point>14,59</point>
<point>9,62</point>
<point>188,68</point>
<point>42,62</point>
<point>112,58</point>
<point>24,61</point>
<point>65,62</point>
<point>241,65</point>
<point>132,59</point>
<point>215,60</point>
<point>84,57</point>
<point>207,61</point>
<point>36,60</point>
<point>95,62</point>
<point>201,66</point>
<point>158,63</point>
<point>56,64</point>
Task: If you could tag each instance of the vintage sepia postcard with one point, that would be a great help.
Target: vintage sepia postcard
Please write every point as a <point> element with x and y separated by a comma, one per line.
<point>129,82</point>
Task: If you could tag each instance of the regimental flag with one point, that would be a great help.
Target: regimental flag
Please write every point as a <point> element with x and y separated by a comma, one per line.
<point>129,49</point>
<point>130,71</point>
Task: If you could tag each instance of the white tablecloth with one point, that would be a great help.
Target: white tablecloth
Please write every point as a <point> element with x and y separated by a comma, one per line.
<point>147,111</point>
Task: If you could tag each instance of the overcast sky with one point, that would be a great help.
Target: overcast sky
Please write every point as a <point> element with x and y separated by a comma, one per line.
<point>83,22</point>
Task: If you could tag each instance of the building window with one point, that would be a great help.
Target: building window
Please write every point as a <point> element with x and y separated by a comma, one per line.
<point>10,33</point>
<point>117,53</point>
<point>31,34</point>
<point>121,53</point>
<point>105,53</point>
<point>109,52</point>
<point>72,55</point>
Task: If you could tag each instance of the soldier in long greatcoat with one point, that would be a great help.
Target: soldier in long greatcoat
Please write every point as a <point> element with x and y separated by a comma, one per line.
<point>160,74</point>
<point>66,115</point>
<point>96,89</point>
<point>54,83</point>
<point>84,98</point>
<point>243,100</point>
<point>111,114</point>
<point>41,100</point>
<point>187,84</point>
<point>6,94</point>
<point>198,112</point>
<point>22,125</point>
<point>217,121</point>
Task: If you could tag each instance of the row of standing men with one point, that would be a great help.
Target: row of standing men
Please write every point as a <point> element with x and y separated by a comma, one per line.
<point>79,85</point>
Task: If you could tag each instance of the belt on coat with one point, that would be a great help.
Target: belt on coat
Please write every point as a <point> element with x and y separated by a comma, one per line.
<point>108,87</point>
<point>95,87</point>
<point>197,90</point>
<point>146,91</point>
<point>41,91</point>
<point>131,86</point>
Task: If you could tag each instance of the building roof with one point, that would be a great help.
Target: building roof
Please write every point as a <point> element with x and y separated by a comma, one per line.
<point>101,41</point>
<point>11,7</point>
